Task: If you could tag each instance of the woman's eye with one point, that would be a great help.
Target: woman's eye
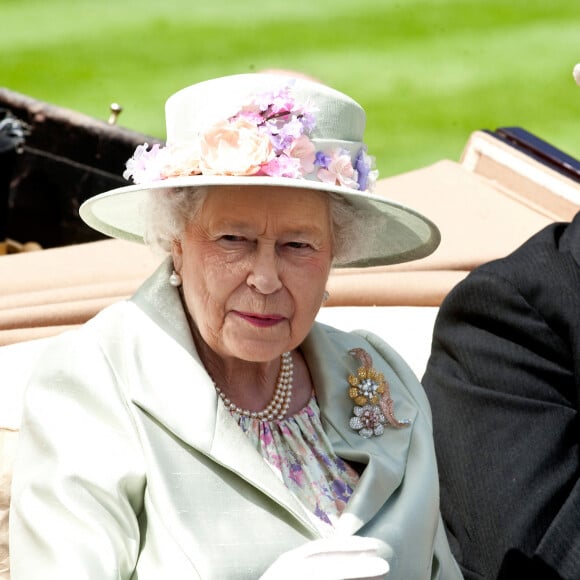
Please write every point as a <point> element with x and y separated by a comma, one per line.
<point>232,238</point>
<point>299,245</point>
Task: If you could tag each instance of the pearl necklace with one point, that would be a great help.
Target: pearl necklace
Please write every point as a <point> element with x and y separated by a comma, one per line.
<point>280,402</point>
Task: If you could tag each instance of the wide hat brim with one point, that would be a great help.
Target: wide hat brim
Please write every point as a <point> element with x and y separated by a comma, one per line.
<point>396,233</point>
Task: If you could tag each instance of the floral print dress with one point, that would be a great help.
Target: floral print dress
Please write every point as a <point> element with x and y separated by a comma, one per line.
<point>299,452</point>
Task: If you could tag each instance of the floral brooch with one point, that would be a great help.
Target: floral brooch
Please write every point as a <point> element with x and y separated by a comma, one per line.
<point>373,406</point>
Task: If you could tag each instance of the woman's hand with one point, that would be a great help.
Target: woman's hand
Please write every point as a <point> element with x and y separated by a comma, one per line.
<point>331,559</point>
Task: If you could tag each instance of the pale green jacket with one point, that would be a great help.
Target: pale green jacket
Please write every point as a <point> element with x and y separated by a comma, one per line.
<point>131,468</point>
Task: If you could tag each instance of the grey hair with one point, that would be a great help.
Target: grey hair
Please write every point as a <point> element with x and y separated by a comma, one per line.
<point>348,230</point>
<point>168,211</point>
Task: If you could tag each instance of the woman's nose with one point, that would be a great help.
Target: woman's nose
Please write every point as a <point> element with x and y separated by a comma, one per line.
<point>264,275</point>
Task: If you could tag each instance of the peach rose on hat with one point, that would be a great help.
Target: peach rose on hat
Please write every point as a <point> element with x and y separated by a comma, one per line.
<point>235,147</point>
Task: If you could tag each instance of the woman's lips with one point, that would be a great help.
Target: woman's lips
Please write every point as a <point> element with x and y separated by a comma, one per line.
<point>260,320</point>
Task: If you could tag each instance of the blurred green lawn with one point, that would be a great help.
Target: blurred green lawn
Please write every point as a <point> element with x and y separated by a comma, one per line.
<point>428,72</point>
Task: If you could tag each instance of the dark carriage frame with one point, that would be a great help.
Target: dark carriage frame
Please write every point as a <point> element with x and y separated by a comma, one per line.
<point>64,158</point>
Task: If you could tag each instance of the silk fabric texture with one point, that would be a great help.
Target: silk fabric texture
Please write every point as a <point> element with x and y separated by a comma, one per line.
<point>130,466</point>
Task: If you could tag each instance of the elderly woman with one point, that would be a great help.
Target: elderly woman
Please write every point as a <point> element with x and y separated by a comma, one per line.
<point>208,427</point>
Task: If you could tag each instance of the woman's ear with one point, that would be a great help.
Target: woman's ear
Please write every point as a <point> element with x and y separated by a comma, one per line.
<point>177,254</point>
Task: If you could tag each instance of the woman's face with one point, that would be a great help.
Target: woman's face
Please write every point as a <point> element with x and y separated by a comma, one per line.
<point>254,266</point>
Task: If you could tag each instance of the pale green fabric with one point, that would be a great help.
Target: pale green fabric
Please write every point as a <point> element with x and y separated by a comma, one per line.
<point>128,467</point>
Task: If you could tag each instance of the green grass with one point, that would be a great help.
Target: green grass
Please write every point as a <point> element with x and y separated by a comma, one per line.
<point>428,72</point>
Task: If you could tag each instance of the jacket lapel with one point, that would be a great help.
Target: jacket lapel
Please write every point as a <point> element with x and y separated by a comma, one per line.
<point>384,458</point>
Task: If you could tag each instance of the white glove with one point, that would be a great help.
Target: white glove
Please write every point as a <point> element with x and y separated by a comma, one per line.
<point>335,558</point>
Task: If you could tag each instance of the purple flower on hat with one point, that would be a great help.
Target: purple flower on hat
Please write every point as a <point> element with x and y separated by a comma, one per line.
<point>284,131</point>
<point>363,165</point>
<point>322,160</point>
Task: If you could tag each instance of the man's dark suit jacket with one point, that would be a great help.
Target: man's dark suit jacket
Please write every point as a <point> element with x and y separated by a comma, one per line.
<point>503,380</point>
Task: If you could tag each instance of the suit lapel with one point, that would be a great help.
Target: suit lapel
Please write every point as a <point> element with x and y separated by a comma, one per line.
<point>384,458</point>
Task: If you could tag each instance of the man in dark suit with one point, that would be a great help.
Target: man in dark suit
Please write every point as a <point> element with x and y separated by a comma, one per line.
<point>504,384</point>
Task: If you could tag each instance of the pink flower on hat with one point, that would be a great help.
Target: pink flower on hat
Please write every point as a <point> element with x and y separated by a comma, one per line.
<point>282,166</point>
<point>294,163</point>
<point>364,167</point>
<point>144,165</point>
<point>337,169</point>
<point>303,149</point>
<point>234,147</point>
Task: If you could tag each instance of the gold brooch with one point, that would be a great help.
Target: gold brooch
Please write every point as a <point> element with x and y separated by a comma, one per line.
<point>373,406</point>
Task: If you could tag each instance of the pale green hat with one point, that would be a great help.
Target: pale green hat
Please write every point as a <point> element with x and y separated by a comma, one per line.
<point>265,130</point>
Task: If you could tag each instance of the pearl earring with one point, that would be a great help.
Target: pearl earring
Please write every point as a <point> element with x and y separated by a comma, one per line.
<point>175,279</point>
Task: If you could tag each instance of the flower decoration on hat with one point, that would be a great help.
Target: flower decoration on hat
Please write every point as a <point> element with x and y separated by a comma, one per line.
<point>373,405</point>
<point>270,135</point>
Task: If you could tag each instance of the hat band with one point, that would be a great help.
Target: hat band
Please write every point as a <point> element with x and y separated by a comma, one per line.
<point>346,165</point>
